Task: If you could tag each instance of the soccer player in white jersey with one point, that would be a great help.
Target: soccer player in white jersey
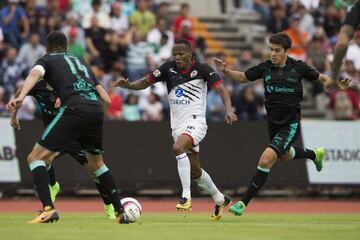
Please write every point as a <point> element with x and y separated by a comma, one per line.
<point>187,83</point>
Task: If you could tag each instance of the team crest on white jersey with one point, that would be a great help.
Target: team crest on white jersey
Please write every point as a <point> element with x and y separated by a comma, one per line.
<point>193,74</point>
<point>157,73</point>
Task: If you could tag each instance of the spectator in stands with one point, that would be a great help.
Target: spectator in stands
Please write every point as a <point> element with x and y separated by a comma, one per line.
<point>128,7</point>
<point>278,21</point>
<point>102,16</point>
<point>31,51</point>
<point>353,52</point>
<point>186,32</point>
<point>183,16</point>
<point>152,109</point>
<point>95,41</point>
<point>332,21</point>
<point>164,52</point>
<point>11,72</point>
<point>215,108</point>
<point>307,23</point>
<point>139,57</point>
<point>248,105</point>
<point>115,111</point>
<point>298,37</point>
<point>344,104</point>
<point>131,110</point>
<point>114,51</point>
<point>74,46</point>
<point>33,13</point>
<point>317,58</point>
<point>115,74</point>
<point>142,18</point>
<point>71,24</point>
<point>154,36</point>
<point>163,12</point>
<point>2,101</point>
<point>11,17</point>
<point>223,6</point>
<point>118,22</point>
<point>351,73</point>
<point>52,24</point>
<point>263,8</point>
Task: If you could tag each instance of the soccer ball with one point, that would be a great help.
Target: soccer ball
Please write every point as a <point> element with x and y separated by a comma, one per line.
<point>132,208</point>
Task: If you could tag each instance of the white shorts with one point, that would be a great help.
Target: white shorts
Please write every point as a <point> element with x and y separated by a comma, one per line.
<point>195,129</point>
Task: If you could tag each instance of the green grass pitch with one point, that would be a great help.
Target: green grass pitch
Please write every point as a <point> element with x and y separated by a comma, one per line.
<point>185,227</point>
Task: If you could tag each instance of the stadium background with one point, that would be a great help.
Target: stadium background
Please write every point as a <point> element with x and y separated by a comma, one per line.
<point>137,135</point>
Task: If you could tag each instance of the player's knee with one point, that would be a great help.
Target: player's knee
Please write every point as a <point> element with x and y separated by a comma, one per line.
<point>265,162</point>
<point>177,149</point>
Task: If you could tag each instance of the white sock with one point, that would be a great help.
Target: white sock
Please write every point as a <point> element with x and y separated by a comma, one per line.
<point>184,169</point>
<point>292,152</point>
<point>206,184</point>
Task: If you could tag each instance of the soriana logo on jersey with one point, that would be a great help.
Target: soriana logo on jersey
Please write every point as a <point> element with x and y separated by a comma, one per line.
<point>157,73</point>
<point>193,74</point>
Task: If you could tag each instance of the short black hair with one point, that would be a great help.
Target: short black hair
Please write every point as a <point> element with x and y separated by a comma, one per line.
<point>281,39</point>
<point>184,42</point>
<point>184,5</point>
<point>56,41</point>
<point>96,2</point>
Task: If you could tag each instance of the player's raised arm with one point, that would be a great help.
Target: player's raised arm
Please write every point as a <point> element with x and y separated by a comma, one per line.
<point>230,116</point>
<point>236,76</point>
<point>139,84</point>
<point>34,76</point>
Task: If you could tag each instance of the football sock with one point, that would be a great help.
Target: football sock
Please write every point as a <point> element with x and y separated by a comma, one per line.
<point>51,173</point>
<point>103,194</point>
<point>184,169</point>
<point>205,183</point>
<point>41,181</point>
<point>257,181</point>
<point>301,153</point>
<point>108,184</point>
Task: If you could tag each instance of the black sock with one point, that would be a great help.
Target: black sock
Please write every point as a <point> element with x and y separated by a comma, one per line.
<point>257,181</point>
<point>51,173</point>
<point>41,181</point>
<point>301,153</point>
<point>108,184</point>
<point>103,194</point>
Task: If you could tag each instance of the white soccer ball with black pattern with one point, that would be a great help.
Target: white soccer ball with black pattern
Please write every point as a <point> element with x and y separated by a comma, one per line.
<point>132,208</point>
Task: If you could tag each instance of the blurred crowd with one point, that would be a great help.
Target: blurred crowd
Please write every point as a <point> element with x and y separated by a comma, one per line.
<point>130,38</point>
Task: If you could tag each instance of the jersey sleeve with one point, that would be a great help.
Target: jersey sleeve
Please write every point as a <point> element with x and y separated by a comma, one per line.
<point>41,65</point>
<point>254,73</point>
<point>353,16</point>
<point>307,72</point>
<point>211,76</point>
<point>159,75</point>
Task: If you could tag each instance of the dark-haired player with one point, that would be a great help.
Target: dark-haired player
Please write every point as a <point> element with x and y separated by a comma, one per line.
<point>351,23</point>
<point>282,77</point>
<point>49,104</point>
<point>80,118</point>
<point>187,83</point>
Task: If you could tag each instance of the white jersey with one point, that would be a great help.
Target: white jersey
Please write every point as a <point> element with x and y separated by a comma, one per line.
<point>187,90</point>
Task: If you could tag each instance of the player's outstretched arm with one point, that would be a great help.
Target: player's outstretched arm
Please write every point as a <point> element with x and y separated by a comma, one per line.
<point>343,39</point>
<point>332,84</point>
<point>34,76</point>
<point>223,93</point>
<point>236,76</point>
<point>139,84</point>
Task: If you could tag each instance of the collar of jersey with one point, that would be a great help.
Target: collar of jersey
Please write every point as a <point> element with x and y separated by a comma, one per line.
<point>187,71</point>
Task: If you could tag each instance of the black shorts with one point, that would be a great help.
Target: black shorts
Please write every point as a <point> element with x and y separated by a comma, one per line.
<point>72,124</point>
<point>353,16</point>
<point>75,150</point>
<point>282,137</point>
